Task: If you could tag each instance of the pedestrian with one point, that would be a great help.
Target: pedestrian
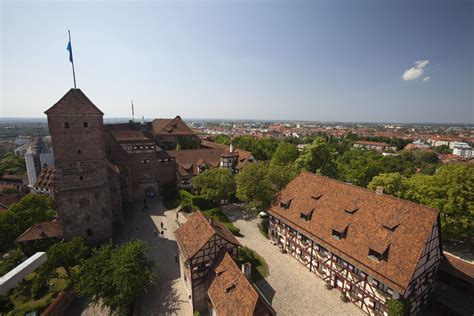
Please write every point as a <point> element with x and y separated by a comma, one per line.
<point>162,232</point>
<point>177,215</point>
<point>161,225</point>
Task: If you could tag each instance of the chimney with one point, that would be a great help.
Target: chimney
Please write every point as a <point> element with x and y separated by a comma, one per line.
<point>379,190</point>
<point>247,270</point>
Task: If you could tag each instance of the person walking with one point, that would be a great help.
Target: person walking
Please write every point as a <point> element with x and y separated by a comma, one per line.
<point>161,225</point>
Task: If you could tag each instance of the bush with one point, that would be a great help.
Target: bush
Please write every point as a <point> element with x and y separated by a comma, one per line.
<point>187,205</point>
<point>263,227</point>
<point>203,204</point>
<point>395,308</point>
<point>218,215</point>
<point>14,258</point>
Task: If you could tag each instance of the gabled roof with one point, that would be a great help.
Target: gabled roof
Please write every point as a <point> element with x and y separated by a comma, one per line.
<point>197,231</point>
<point>231,293</point>
<point>410,224</point>
<point>51,229</point>
<point>174,126</point>
<point>74,102</point>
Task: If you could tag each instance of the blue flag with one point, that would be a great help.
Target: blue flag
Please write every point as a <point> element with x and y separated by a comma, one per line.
<point>69,48</point>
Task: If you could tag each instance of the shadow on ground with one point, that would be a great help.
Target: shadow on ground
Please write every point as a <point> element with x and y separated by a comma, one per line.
<point>236,212</point>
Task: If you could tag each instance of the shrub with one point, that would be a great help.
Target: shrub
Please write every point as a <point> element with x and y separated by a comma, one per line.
<point>187,205</point>
<point>263,227</point>
<point>14,258</point>
<point>395,308</point>
<point>259,266</point>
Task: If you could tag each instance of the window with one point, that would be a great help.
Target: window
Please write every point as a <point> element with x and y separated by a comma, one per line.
<point>66,125</point>
<point>79,151</point>
<point>337,235</point>
<point>375,255</point>
<point>81,178</point>
<point>85,124</point>
<point>306,216</point>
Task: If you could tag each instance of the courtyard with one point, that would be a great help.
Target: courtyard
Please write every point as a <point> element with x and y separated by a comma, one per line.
<point>290,287</point>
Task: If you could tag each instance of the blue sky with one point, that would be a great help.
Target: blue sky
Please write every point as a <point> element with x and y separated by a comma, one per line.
<point>309,60</point>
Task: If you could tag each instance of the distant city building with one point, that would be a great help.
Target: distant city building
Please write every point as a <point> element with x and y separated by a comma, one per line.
<point>37,156</point>
<point>417,145</point>
<point>370,246</point>
<point>378,146</point>
<point>463,150</point>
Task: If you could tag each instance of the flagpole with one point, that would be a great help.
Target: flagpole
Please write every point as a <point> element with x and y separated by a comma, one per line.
<point>72,61</point>
<point>133,113</point>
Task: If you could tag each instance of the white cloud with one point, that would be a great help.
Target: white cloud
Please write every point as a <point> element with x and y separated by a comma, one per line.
<point>426,79</point>
<point>417,71</point>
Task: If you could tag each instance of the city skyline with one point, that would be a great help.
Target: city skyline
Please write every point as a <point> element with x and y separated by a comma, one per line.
<point>405,62</point>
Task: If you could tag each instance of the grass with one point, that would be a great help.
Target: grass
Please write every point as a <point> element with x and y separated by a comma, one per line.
<point>21,298</point>
<point>218,215</point>
<point>259,265</point>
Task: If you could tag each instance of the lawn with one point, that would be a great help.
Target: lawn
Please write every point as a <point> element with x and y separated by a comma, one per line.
<point>21,298</point>
<point>218,215</point>
<point>259,265</point>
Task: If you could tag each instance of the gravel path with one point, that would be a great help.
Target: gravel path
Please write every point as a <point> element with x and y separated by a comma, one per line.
<point>290,287</point>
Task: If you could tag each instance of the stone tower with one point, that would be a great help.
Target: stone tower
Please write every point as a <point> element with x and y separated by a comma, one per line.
<point>83,195</point>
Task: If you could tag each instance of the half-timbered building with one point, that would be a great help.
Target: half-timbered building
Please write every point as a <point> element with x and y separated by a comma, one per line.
<point>370,246</point>
<point>209,270</point>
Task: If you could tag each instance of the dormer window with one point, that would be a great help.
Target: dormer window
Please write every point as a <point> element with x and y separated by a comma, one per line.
<point>286,205</point>
<point>351,210</point>
<point>337,235</point>
<point>374,255</point>
<point>306,216</point>
<point>316,197</point>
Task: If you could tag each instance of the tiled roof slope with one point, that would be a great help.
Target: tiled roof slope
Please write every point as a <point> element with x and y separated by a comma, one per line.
<point>74,101</point>
<point>174,126</point>
<point>333,201</point>
<point>459,268</point>
<point>51,229</point>
<point>46,178</point>
<point>231,293</point>
<point>197,231</point>
<point>8,199</point>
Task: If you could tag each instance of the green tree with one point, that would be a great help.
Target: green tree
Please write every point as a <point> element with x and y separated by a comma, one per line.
<point>359,166</point>
<point>285,154</point>
<point>11,164</point>
<point>116,276</point>
<point>393,183</point>
<point>318,157</point>
<point>451,191</point>
<point>222,139</point>
<point>31,209</point>
<point>215,184</point>
<point>254,187</point>
<point>443,149</point>
<point>280,175</point>
<point>395,308</point>
<point>14,258</point>
<point>66,255</point>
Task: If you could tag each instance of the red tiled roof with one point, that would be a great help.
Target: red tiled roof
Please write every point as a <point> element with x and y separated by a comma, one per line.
<point>197,231</point>
<point>129,136</point>
<point>231,293</point>
<point>459,268</point>
<point>412,225</point>
<point>74,101</point>
<point>46,178</point>
<point>43,230</point>
<point>174,126</point>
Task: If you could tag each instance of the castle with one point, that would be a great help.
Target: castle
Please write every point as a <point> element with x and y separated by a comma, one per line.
<point>100,166</point>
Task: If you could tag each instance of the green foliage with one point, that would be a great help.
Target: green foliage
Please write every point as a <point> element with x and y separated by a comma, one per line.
<point>11,164</point>
<point>197,201</point>
<point>285,154</point>
<point>319,157</point>
<point>254,186</point>
<point>115,276</point>
<point>185,142</point>
<point>15,257</point>
<point>5,304</point>
<point>31,209</point>
<point>450,190</point>
<point>262,149</point>
<point>395,308</point>
<point>222,139</point>
<point>218,215</point>
<point>443,149</point>
<point>263,227</point>
<point>280,175</point>
<point>259,265</point>
<point>215,184</point>
<point>66,255</point>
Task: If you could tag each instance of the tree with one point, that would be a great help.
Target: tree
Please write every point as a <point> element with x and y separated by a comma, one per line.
<point>451,191</point>
<point>285,154</point>
<point>443,149</point>
<point>280,175</point>
<point>31,209</point>
<point>254,187</point>
<point>222,139</point>
<point>318,157</point>
<point>393,183</point>
<point>115,276</point>
<point>215,184</point>
<point>66,255</point>
<point>11,164</point>
<point>359,166</point>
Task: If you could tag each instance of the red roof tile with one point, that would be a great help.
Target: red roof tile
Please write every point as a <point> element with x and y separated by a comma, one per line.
<point>43,230</point>
<point>74,101</point>
<point>412,225</point>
